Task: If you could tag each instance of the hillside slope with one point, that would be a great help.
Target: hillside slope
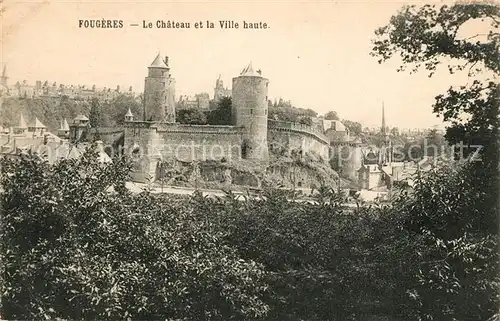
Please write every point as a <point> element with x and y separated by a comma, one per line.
<point>50,111</point>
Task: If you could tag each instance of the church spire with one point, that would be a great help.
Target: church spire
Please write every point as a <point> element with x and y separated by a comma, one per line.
<point>4,77</point>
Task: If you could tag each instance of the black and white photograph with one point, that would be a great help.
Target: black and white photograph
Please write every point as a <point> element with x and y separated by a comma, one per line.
<point>249,160</point>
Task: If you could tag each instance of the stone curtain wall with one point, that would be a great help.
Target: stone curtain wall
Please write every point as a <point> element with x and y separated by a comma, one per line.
<point>108,135</point>
<point>297,127</point>
<point>198,143</point>
<point>287,141</point>
<point>150,144</point>
<point>288,136</point>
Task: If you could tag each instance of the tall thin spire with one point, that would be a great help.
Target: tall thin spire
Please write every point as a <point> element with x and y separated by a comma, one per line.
<point>4,77</point>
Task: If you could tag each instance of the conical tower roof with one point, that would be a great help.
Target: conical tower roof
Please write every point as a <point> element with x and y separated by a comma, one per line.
<point>158,63</point>
<point>38,124</point>
<point>129,113</point>
<point>22,122</point>
<point>248,70</point>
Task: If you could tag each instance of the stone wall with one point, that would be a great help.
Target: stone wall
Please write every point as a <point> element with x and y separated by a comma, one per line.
<point>198,143</point>
<point>282,140</point>
<point>153,143</point>
<point>299,128</point>
<point>109,135</point>
<point>297,176</point>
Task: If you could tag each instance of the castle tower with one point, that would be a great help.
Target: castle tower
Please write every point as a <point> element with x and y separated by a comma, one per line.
<point>346,157</point>
<point>4,79</point>
<point>159,92</point>
<point>78,130</point>
<point>249,110</point>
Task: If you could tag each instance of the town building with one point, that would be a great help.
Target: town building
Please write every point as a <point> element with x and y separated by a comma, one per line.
<point>48,89</point>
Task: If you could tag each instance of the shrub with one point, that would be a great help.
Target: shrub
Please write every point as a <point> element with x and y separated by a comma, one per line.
<point>71,249</point>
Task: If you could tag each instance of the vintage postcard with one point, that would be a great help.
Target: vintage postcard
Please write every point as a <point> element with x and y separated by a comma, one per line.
<point>240,160</point>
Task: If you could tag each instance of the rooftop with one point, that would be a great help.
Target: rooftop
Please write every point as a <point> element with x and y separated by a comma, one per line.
<point>81,117</point>
<point>158,63</point>
<point>248,71</point>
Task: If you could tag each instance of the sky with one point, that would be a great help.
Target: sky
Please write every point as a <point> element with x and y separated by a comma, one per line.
<point>315,54</point>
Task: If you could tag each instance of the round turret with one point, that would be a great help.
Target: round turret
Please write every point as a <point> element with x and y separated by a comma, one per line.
<point>159,92</point>
<point>249,110</point>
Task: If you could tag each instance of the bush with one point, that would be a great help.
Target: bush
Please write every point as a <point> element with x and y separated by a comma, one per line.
<point>73,250</point>
<point>451,259</point>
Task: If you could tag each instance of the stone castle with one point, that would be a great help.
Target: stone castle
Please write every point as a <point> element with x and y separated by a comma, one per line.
<point>156,137</point>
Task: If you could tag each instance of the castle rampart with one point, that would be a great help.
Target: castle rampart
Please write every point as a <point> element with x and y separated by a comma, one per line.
<point>278,125</point>
<point>158,141</point>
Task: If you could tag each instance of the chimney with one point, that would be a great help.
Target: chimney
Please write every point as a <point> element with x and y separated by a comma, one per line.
<point>166,60</point>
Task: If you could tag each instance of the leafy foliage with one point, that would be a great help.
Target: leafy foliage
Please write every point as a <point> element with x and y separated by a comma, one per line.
<point>354,127</point>
<point>95,113</point>
<point>191,116</point>
<point>222,115</point>
<point>424,34</point>
<point>117,108</point>
<point>452,214</point>
<point>74,250</point>
<point>452,260</point>
<point>285,111</point>
<point>332,115</point>
<point>51,111</point>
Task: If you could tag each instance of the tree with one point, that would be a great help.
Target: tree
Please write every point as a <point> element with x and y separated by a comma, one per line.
<point>191,116</point>
<point>331,115</point>
<point>95,113</point>
<point>355,128</point>
<point>395,131</point>
<point>424,35</point>
<point>454,211</point>
<point>119,106</point>
<point>305,120</point>
<point>222,115</point>
<point>310,113</point>
<point>75,250</point>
